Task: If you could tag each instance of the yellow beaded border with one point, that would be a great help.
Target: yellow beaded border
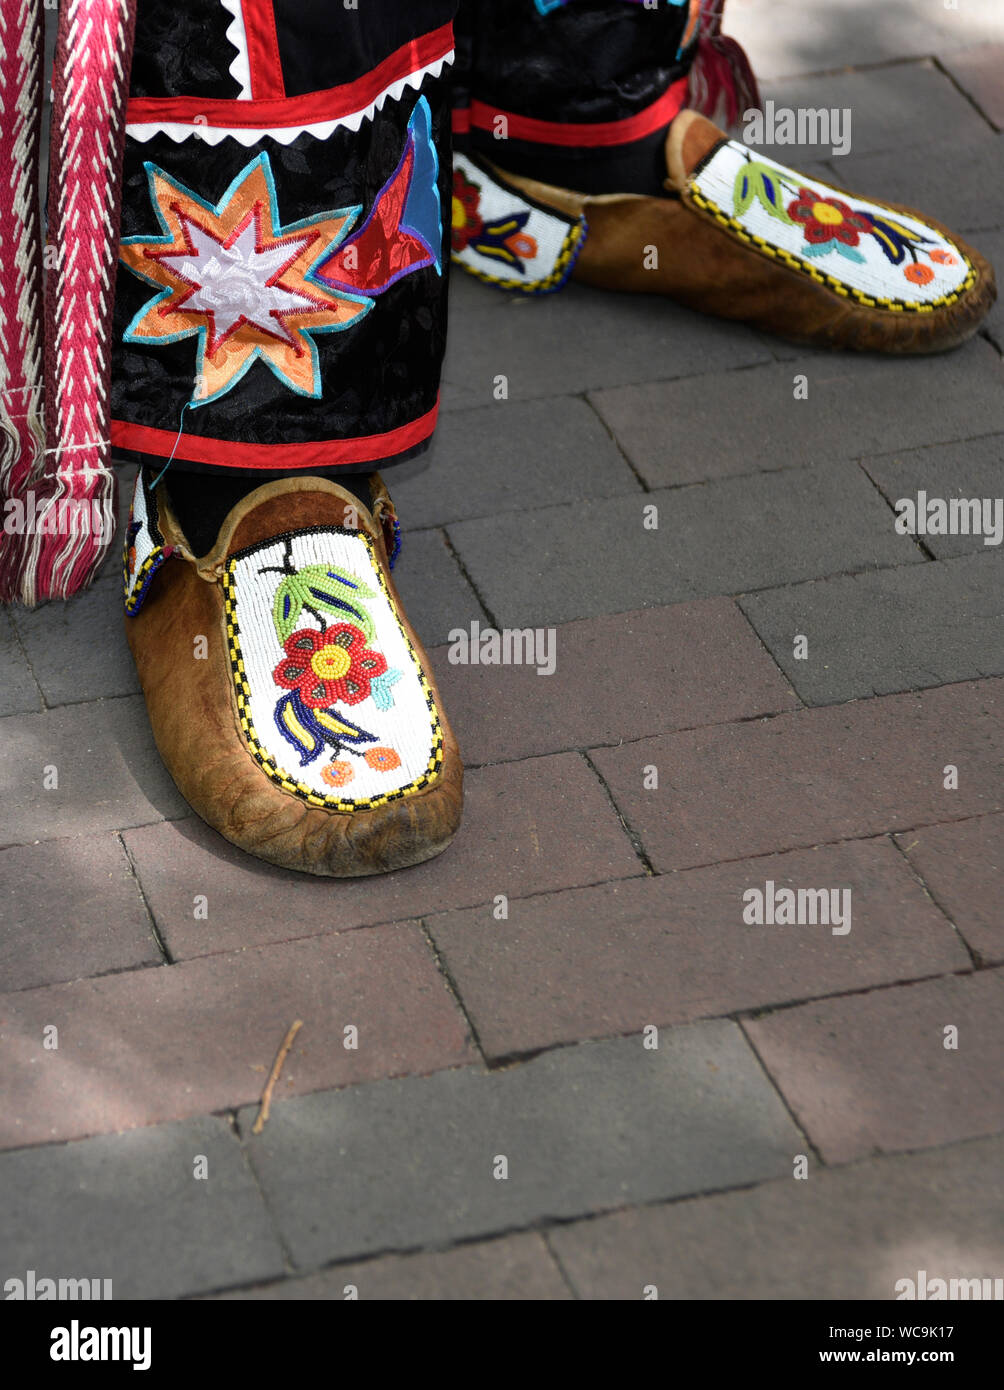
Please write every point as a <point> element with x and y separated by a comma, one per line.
<point>264,759</point>
<point>898,306</point>
<point>134,597</point>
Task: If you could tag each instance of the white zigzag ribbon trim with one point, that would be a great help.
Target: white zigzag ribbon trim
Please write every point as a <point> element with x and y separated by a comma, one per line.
<point>240,68</point>
<point>285,135</point>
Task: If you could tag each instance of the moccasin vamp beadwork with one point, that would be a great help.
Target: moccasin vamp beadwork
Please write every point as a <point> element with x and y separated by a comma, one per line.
<point>744,237</point>
<point>289,696</point>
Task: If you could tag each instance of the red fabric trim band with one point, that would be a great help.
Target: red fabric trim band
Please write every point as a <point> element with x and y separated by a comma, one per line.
<point>460,120</point>
<point>319,453</point>
<point>586,133</point>
<point>263,50</point>
<point>328,105</point>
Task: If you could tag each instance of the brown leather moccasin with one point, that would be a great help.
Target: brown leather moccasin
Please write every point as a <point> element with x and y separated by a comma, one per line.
<point>746,238</point>
<point>289,696</point>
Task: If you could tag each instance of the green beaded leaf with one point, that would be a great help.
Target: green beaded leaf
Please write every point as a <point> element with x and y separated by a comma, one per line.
<point>325,587</point>
<point>742,192</point>
<point>286,608</point>
<point>762,182</point>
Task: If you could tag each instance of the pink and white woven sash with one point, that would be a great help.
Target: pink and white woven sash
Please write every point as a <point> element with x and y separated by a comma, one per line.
<point>90,87</point>
<point>21,339</point>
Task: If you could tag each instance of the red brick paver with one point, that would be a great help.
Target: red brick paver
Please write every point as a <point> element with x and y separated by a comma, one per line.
<point>617,677</point>
<point>70,908</point>
<point>871,1072</point>
<point>181,1040</point>
<point>664,950</point>
<point>980,73</point>
<point>528,827</point>
<point>821,774</point>
<point>963,866</point>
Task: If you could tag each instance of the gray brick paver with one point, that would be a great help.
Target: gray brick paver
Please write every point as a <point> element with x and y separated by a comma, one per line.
<point>582,338</point>
<point>852,1233</point>
<point>517,1267</point>
<point>971,469</point>
<point>488,460</point>
<point>19,693</point>
<point>76,647</point>
<point>897,630</point>
<point>128,1207</point>
<point>600,1125</point>
<point>748,422</point>
<point>732,535</point>
<point>434,592</point>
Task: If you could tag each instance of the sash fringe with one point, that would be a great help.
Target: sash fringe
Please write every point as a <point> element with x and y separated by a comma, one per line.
<point>722,83</point>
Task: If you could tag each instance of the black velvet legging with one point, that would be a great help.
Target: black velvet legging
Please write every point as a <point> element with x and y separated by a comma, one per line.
<point>258,128</point>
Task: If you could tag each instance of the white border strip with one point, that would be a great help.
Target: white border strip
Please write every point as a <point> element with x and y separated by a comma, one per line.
<point>285,135</point>
<point>240,68</point>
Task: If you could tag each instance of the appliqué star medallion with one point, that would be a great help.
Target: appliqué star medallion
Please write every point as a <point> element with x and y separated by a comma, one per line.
<point>239,281</point>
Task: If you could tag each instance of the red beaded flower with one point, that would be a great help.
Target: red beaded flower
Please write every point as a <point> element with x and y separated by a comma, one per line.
<point>826,219</point>
<point>327,666</point>
<point>467,221</point>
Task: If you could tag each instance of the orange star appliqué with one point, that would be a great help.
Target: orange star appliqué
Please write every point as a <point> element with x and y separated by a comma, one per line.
<point>235,278</point>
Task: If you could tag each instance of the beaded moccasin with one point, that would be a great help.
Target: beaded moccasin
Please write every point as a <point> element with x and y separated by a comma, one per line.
<point>745,238</point>
<point>289,696</point>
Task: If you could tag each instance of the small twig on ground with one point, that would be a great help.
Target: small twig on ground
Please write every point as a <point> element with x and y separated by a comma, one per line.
<point>273,1076</point>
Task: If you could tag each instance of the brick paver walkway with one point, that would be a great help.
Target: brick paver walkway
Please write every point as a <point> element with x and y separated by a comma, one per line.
<point>506,1126</point>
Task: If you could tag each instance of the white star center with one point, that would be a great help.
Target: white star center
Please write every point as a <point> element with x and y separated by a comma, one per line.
<point>232,281</point>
